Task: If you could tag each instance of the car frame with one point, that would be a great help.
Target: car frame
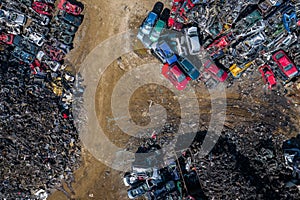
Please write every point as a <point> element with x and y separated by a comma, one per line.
<point>138,191</point>
<point>43,20</point>
<point>157,30</point>
<point>43,8</point>
<point>174,74</point>
<point>267,76</point>
<point>6,38</point>
<point>70,6</point>
<point>25,44</point>
<point>53,52</point>
<point>148,23</point>
<point>23,56</point>
<point>13,17</point>
<point>188,68</point>
<point>216,72</point>
<point>289,19</point>
<point>61,26</point>
<point>192,40</point>
<point>36,38</point>
<point>75,20</point>
<point>283,61</point>
<point>163,51</point>
<point>236,70</point>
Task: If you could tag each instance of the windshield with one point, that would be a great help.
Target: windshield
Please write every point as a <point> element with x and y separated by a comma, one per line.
<point>181,78</point>
<point>168,53</point>
<point>220,73</point>
<point>288,67</point>
<point>193,33</point>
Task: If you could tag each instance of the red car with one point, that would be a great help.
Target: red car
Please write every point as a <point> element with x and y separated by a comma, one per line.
<point>6,38</point>
<point>54,53</point>
<point>216,72</point>
<point>288,68</point>
<point>35,67</point>
<point>70,6</point>
<point>267,75</point>
<point>219,45</point>
<point>172,23</point>
<point>42,8</point>
<point>177,17</point>
<point>175,76</point>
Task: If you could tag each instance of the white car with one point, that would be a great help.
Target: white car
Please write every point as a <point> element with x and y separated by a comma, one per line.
<point>192,39</point>
<point>53,65</point>
<point>3,14</point>
<point>13,18</point>
<point>40,55</point>
<point>181,49</point>
<point>36,38</point>
<point>17,18</point>
<point>69,77</point>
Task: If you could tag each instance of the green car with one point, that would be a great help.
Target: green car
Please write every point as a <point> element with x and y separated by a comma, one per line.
<point>157,30</point>
<point>249,20</point>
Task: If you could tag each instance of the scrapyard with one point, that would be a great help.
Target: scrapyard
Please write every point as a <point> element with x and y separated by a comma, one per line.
<point>249,48</point>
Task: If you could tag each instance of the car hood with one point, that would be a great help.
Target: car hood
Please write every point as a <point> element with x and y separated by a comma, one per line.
<point>20,19</point>
<point>195,43</point>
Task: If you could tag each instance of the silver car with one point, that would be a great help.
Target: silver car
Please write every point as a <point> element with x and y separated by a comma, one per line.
<point>192,39</point>
<point>13,18</point>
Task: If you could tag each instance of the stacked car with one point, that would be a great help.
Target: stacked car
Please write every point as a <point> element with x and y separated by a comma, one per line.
<point>43,41</point>
<point>151,182</point>
<point>263,36</point>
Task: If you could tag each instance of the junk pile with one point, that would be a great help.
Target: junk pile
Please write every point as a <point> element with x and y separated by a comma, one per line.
<point>248,163</point>
<point>39,148</point>
<point>212,41</point>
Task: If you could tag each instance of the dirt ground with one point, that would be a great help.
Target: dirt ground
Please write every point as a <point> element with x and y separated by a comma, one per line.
<point>102,19</point>
<point>105,18</point>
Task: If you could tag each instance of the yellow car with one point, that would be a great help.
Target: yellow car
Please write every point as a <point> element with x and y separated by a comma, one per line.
<point>236,70</point>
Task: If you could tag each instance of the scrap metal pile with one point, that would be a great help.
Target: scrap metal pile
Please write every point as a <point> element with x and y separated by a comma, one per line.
<point>248,163</point>
<point>211,42</point>
<point>39,146</point>
<point>218,40</point>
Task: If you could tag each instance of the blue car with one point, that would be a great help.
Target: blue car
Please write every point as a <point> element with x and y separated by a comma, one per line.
<point>189,68</point>
<point>71,19</point>
<point>148,23</point>
<point>289,18</point>
<point>164,53</point>
<point>138,191</point>
<point>23,56</point>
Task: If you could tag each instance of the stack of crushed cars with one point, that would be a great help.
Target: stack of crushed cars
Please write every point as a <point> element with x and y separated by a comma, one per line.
<point>35,37</point>
<point>254,165</point>
<point>40,36</point>
<point>214,41</point>
<point>147,178</point>
<point>291,150</point>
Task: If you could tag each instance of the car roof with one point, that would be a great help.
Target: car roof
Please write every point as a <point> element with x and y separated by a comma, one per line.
<point>164,46</point>
<point>187,64</point>
<point>152,15</point>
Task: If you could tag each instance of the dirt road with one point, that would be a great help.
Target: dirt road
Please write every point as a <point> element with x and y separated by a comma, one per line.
<point>102,19</point>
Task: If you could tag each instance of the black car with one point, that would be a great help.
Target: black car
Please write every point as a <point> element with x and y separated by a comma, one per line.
<point>158,7</point>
